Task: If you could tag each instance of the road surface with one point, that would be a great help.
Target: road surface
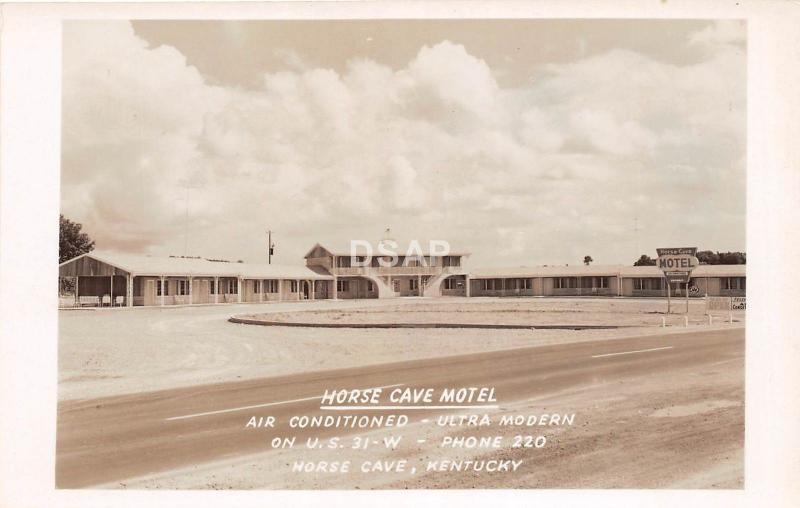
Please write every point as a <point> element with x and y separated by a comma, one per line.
<point>110,439</point>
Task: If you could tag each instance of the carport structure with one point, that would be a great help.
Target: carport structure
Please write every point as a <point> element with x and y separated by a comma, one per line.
<point>113,279</point>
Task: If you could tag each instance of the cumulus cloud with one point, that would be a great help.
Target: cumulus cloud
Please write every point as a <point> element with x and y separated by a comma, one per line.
<point>155,157</point>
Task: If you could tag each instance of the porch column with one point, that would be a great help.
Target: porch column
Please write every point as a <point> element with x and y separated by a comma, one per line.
<point>191,301</point>
<point>129,291</point>
<point>299,293</point>
<point>111,290</point>
<point>313,289</point>
<point>261,293</point>
<point>216,289</point>
<point>419,285</point>
<point>77,285</point>
<point>466,285</point>
<point>280,290</point>
<point>239,289</point>
<point>162,290</point>
<point>334,289</point>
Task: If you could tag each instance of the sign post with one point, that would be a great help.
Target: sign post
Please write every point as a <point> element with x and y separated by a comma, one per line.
<point>677,265</point>
<point>687,297</point>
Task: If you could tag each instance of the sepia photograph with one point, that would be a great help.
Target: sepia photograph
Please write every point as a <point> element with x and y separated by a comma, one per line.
<point>391,253</point>
<point>402,254</point>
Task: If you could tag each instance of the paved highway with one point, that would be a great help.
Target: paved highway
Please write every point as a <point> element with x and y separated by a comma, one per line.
<point>114,438</point>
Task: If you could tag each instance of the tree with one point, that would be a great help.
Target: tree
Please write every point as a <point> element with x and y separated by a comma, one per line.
<point>71,241</point>
<point>645,260</point>
<point>707,257</point>
<point>587,260</point>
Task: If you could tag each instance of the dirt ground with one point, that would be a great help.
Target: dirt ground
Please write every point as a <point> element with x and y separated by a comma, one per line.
<point>116,351</point>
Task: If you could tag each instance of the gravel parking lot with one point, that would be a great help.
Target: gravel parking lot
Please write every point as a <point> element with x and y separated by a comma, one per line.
<point>116,351</point>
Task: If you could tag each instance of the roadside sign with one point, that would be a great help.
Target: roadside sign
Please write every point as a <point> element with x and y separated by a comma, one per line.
<point>677,259</point>
<point>726,303</point>
<point>721,303</point>
<point>681,277</point>
<point>677,264</point>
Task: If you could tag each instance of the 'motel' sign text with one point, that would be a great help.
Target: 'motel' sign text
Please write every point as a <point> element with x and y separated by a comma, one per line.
<point>683,259</point>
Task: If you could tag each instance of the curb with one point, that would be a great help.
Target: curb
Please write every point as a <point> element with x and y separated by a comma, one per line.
<point>295,324</point>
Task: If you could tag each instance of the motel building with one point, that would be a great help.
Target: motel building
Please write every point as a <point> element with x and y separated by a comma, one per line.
<point>610,280</point>
<point>374,276</point>
<point>111,279</point>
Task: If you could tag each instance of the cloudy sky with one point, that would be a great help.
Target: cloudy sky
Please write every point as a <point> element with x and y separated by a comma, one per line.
<point>526,142</point>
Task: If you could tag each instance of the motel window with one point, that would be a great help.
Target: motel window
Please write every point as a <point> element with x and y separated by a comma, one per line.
<point>343,262</point>
<point>522,283</point>
<point>412,284</point>
<point>733,283</point>
<point>648,284</point>
<point>594,282</point>
<point>162,290</point>
<point>565,282</point>
<point>493,284</point>
<point>343,286</point>
<point>256,286</point>
<point>271,286</point>
<point>449,283</point>
<point>451,261</point>
<point>293,285</point>
<point>370,286</point>
<point>232,287</point>
<point>212,287</point>
<point>183,287</point>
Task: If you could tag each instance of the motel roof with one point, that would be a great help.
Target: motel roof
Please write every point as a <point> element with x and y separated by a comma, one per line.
<point>139,265</point>
<point>602,271</point>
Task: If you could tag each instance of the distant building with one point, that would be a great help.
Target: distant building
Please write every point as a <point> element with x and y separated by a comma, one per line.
<point>598,280</point>
<point>335,272</point>
<point>421,274</point>
<point>134,280</point>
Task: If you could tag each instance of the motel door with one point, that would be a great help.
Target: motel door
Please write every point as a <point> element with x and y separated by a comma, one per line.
<point>150,292</point>
<point>202,295</point>
<point>306,296</point>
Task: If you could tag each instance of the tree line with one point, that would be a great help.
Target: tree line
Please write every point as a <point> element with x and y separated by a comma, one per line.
<point>706,257</point>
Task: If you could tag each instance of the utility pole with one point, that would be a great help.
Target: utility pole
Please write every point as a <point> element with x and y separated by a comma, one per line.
<point>270,246</point>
